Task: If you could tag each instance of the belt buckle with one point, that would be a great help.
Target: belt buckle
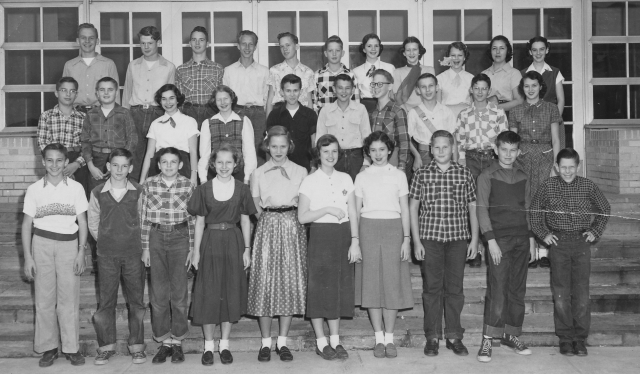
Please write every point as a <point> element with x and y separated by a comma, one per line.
<point>223,226</point>
<point>145,106</point>
<point>535,141</point>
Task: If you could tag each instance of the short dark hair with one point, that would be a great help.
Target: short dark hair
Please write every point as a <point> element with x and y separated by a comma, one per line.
<point>87,26</point>
<point>381,137</point>
<point>323,141</point>
<point>250,33</point>
<point>343,77</point>
<point>427,75</point>
<point>224,147</point>
<point>107,79</point>
<point>121,152</point>
<point>506,41</point>
<point>366,39</point>
<point>508,137</point>
<point>201,29</point>
<point>482,77</point>
<point>384,73</point>
<point>290,78</point>
<point>277,131</point>
<point>66,80</point>
<point>151,31</point>
<point>442,134</point>
<point>461,46</point>
<point>285,34</point>
<point>169,87</point>
<point>537,39</point>
<point>55,147</point>
<point>333,39</point>
<point>568,153</point>
<point>412,39</point>
<point>217,90</point>
<point>169,151</point>
<point>533,75</point>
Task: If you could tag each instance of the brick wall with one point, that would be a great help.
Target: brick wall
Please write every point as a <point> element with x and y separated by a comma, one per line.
<point>20,166</point>
<point>613,159</point>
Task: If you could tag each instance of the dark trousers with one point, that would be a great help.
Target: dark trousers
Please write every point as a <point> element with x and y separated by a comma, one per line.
<point>477,162</point>
<point>198,112</point>
<point>168,290</point>
<point>99,160</point>
<point>142,119</point>
<point>442,287</point>
<point>350,161</point>
<point>82,174</point>
<point>259,122</point>
<point>507,285</point>
<point>133,274</point>
<point>570,271</point>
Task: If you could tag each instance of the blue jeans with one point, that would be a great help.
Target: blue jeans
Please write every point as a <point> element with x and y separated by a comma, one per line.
<point>198,112</point>
<point>132,271</point>
<point>350,161</point>
<point>142,118</point>
<point>168,290</point>
<point>506,288</point>
<point>477,162</point>
<point>570,271</point>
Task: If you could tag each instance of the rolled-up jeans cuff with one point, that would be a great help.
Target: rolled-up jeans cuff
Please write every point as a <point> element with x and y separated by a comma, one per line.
<point>162,338</point>
<point>137,348</point>
<point>454,334</point>
<point>108,347</point>
<point>180,337</point>
<point>511,330</point>
<point>492,331</point>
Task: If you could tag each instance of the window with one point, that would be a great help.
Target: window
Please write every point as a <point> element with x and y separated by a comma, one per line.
<point>392,26</point>
<point>38,40</point>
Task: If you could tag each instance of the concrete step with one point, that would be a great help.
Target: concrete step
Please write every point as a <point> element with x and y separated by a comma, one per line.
<point>16,340</point>
<point>625,215</point>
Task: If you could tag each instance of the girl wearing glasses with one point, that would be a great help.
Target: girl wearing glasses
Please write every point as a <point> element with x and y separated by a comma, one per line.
<point>504,78</point>
<point>455,82</point>
<point>404,82</point>
<point>371,47</point>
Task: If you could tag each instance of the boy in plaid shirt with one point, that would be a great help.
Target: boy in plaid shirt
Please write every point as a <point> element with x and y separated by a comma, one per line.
<point>444,193</point>
<point>325,78</point>
<point>167,243</point>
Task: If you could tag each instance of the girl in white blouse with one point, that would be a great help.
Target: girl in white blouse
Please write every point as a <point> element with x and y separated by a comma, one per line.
<point>455,82</point>
<point>372,48</point>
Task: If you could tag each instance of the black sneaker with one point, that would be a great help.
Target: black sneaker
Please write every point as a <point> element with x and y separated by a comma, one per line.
<point>579,348</point>
<point>161,356</point>
<point>476,262</point>
<point>103,357</point>
<point>512,342</point>
<point>566,349</point>
<point>533,265</point>
<point>48,357</point>
<point>77,359</point>
<point>484,354</point>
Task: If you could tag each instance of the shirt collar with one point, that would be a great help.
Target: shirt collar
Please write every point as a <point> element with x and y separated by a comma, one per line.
<point>334,106</point>
<point>206,61</point>
<point>165,117</point>
<point>490,106</point>
<point>232,117</point>
<point>78,59</point>
<point>453,166</point>
<point>253,65</point>
<point>161,60</point>
<point>367,64</point>
<point>546,67</point>
<point>45,183</point>
<point>287,164</point>
<point>74,112</point>
<point>536,104</point>
<point>107,186</point>
<point>506,68</point>
<point>343,69</point>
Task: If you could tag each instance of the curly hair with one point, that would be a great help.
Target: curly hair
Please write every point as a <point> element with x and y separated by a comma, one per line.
<point>169,87</point>
<point>460,46</point>
<point>366,39</point>
<point>225,89</point>
<point>378,136</point>
<point>533,75</point>
<point>506,42</point>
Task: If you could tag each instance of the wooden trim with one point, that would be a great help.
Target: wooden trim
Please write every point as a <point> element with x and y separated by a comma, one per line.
<point>614,81</point>
<point>30,88</point>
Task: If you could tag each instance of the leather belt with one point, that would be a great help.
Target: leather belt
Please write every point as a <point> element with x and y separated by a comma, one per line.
<point>249,106</point>
<point>102,150</point>
<point>169,228</point>
<point>568,235</point>
<point>221,226</point>
<point>145,106</point>
<point>279,210</point>
<point>352,150</point>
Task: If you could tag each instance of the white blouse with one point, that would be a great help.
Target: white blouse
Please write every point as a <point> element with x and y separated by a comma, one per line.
<point>166,135</point>
<point>328,191</point>
<point>453,94</point>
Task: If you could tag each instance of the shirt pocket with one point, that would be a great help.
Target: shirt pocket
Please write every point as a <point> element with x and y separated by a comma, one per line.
<point>188,83</point>
<point>154,202</point>
<point>178,203</point>
<point>117,130</point>
<point>459,193</point>
<point>209,83</point>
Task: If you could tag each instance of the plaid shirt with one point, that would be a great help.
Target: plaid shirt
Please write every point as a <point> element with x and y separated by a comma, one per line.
<point>197,80</point>
<point>55,127</point>
<point>444,201</point>
<point>166,206</point>
<point>560,206</point>
<point>392,120</point>
<point>117,130</point>
<point>533,121</point>
<point>478,129</point>
<point>325,92</point>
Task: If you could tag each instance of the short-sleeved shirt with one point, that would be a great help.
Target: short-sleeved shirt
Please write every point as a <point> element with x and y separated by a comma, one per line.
<point>88,75</point>
<point>503,81</point>
<point>143,81</point>
<point>533,121</point>
<point>455,91</point>
<point>380,188</point>
<point>398,77</point>
<point>277,72</point>
<point>444,201</point>
<point>249,83</point>
<point>441,118</point>
<point>350,126</point>
<point>274,188</point>
<point>55,208</point>
<point>363,76</point>
<point>328,191</point>
<point>478,128</point>
<point>166,135</point>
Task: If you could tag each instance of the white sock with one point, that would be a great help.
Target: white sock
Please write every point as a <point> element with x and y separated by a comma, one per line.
<point>208,345</point>
<point>486,337</point>
<point>334,340</point>
<point>176,342</point>
<point>379,337</point>
<point>167,342</point>
<point>222,345</point>
<point>543,252</point>
<point>282,341</point>
<point>266,342</point>
<point>388,338</point>
<point>321,343</point>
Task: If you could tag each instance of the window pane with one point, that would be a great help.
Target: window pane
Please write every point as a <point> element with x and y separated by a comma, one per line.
<point>608,19</point>
<point>313,57</point>
<point>226,56</point>
<point>477,25</point>
<point>634,59</point>
<point>275,56</point>
<point>114,28</point>
<point>478,59</point>
<point>142,19</point>
<point>521,57</point>
<point>355,57</point>
<point>281,22</point>
<point>22,67</point>
<point>226,26</point>
<point>137,52</point>
<point>361,23</point>
<point>438,54</point>
<point>187,53</point>
<point>567,113</point>
<point>557,23</point>
<point>447,25</point>
<point>609,60</point>
<point>120,56</point>
<point>635,101</point>
<point>394,25</point>
<point>315,27</point>
<point>60,24</point>
<point>191,20</point>
<point>526,23</point>
<point>634,14</point>
<point>23,109</point>
<point>53,63</point>
<point>392,55</point>
<point>50,100</point>
<point>22,25</point>
<point>610,102</point>
<point>560,56</point>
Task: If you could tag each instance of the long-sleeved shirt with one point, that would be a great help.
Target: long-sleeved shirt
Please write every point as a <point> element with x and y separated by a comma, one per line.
<point>350,126</point>
<point>560,206</point>
<point>117,130</point>
<point>392,120</point>
<point>503,201</point>
<point>478,128</point>
<point>88,75</point>
<point>166,205</point>
<point>249,84</point>
<point>55,127</point>
<point>325,90</point>
<point>196,80</point>
<point>142,82</point>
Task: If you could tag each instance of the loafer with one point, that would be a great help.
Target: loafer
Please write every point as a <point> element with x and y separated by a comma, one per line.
<point>207,358</point>
<point>226,357</point>
<point>48,357</point>
<point>533,265</point>
<point>284,353</point>
<point>431,348</point>
<point>341,353</point>
<point>161,356</point>
<point>390,351</point>
<point>379,351</point>
<point>476,262</point>
<point>544,262</point>
<point>265,354</point>
<point>77,359</point>
<point>457,347</point>
<point>579,348</point>
<point>327,353</point>
<point>566,348</point>
<point>177,356</point>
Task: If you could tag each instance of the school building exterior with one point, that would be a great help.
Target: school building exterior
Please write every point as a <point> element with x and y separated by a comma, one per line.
<point>594,43</point>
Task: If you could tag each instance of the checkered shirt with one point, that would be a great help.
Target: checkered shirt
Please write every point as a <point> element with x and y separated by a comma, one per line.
<point>533,121</point>
<point>479,129</point>
<point>392,120</point>
<point>560,206</point>
<point>444,201</point>
<point>197,80</point>
<point>277,72</point>
<point>55,127</point>
<point>166,206</point>
<point>325,92</point>
<point>117,130</point>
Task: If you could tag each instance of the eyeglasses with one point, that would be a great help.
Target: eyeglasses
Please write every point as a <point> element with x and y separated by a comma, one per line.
<point>378,84</point>
<point>64,91</point>
<point>483,89</point>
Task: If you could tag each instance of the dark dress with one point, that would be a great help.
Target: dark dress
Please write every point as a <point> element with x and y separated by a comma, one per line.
<point>220,290</point>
